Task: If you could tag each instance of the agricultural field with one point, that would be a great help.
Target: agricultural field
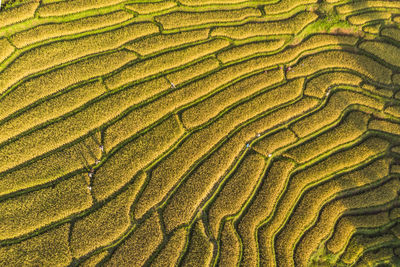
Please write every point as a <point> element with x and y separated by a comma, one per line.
<point>199,133</point>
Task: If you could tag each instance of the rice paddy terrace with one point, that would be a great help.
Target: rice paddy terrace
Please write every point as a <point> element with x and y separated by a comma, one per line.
<point>200,133</point>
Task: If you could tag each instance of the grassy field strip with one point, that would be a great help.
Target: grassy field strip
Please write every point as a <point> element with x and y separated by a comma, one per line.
<point>314,197</point>
<point>215,132</point>
<point>52,166</point>
<point>51,30</point>
<point>329,214</point>
<point>28,252</point>
<point>62,52</point>
<point>297,179</point>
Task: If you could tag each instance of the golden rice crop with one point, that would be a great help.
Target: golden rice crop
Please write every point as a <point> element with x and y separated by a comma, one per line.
<point>18,14</point>
<point>61,132</point>
<point>93,260</point>
<point>159,42</point>
<point>6,49</point>
<point>210,107</point>
<point>235,191</point>
<point>384,125</point>
<point>332,164</point>
<point>229,250</point>
<point>264,201</point>
<point>184,202</point>
<point>47,56</point>
<point>199,251</point>
<point>144,149</point>
<point>291,25</point>
<point>329,214</point>
<point>396,79</point>
<point>274,141</point>
<point>164,62</point>
<point>285,6</point>
<point>309,206</point>
<point>356,6</point>
<point>378,254</point>
<point>135,121</point>
<point>106,224</point>
<point>319,85</point>
<point>52,166</point>
<point>32,90</point>
<point>47,249</point>
<point>393,110</point>
<point>194,70</point>
<point>50,109</point>
<point>385,51</point>
<point>358,243</point>
<point>140,244</point>
<point>363,18</point>
<point>168,171</point>
<point>147,8</point>
<point>249,49</point>
<point>209,2</point>
<point>19,214</point>
<point>341,59</point>
<point>68,7</point>
<point>393,33</point>
<point>180,19</point>
<point>352,127</point>
<point>51,30</point>
<point>394,213</point>
<point>172,249</point>
<point>347,225</point>
<point>332,111</point>
<point>374,29</point>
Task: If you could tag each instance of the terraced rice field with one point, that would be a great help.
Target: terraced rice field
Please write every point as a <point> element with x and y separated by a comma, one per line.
<point>200,133</point>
